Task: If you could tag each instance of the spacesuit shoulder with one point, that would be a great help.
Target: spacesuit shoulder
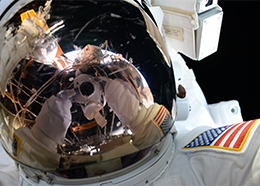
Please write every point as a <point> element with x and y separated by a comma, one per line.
<point>233,139</point>
<point>235,147</point>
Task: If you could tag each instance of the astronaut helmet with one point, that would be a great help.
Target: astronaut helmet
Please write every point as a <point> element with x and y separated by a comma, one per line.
<point>80,80</point>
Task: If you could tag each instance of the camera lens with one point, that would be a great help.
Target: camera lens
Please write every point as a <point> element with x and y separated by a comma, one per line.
<point>86,88</point>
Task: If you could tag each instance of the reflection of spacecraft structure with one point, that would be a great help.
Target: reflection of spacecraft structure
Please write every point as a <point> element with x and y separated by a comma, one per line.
<point>94,97</point>
<point>66,107</point>
<point>94,126</point>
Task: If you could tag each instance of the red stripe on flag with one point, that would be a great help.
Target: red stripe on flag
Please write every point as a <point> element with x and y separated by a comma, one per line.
<point>223,136</point>
<point>232,136</point>
<point>162,116</point>
<point>159,114</point>
<point>242,135</point>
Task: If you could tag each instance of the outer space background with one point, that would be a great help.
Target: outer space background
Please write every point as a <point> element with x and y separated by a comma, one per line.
<point>232,73</point>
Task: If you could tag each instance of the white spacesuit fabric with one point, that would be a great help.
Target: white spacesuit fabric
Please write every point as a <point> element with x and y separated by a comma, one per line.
<point>218,166</point>
<point>9,175</point>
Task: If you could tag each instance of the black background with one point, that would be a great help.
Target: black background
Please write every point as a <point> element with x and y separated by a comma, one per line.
<point>232,73</point>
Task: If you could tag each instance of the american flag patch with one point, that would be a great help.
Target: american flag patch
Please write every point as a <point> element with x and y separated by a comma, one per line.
<point>232,137</point>
<point>163,120</point>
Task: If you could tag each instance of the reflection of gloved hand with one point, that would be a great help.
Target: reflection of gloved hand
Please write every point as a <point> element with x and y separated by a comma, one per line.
<point>39,145</point>
<point>122,98</point>
<point>54,119</point>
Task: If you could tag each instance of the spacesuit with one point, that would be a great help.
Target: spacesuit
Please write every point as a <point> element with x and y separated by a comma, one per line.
<point>74,113</point>
<point>196,161</point>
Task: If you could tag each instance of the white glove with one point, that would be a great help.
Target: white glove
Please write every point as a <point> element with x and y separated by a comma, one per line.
<point>39,145</point>
<point>53,120</point>
<point>122,98</point>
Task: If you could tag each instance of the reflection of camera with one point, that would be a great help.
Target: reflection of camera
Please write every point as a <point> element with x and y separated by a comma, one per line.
<point>90,90</point>
<point>91,97</point>
<point>86,88</point>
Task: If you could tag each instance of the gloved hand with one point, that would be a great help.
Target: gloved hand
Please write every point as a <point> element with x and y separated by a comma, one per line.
<point>38,146</point>
<point>123,99</point>
<point>54,118</point>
